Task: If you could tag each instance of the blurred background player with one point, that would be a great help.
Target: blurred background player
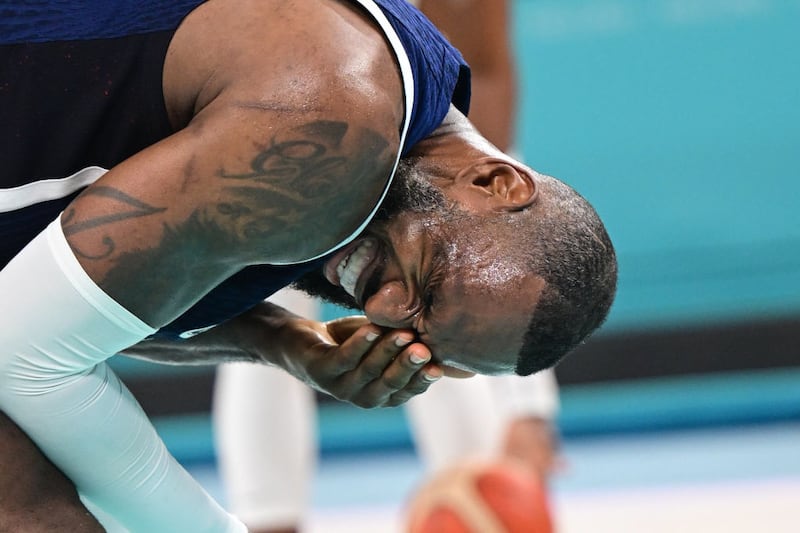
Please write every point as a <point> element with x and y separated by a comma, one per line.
<point>264,419</point>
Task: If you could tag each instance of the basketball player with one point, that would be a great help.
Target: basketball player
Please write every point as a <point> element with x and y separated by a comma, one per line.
<point>249,145</point>
<point>265,419</point>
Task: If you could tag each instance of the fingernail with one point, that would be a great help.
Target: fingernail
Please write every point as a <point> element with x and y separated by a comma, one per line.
<point>371,336</point>
<point>401,341</point>
<point>417,359</point>
<point>428,377</point>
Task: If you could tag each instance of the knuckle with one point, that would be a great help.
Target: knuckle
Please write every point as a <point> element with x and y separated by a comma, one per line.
<point>395,382</point>
<point>417,386</point>
<point>399,398</point>
<point>339,396</point>
<point>372,368</point>
<point>360,403</point>
<point>346,361</point>
<point>369,403</point>
<point>369,374</point>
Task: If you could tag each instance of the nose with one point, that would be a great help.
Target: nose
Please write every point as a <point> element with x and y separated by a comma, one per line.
<point>391,306</point>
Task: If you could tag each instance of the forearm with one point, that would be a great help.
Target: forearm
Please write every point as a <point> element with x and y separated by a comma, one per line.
<point>54,384</point>
<point>348,358</point>
<point>256,336</point>
<point>214,346</point>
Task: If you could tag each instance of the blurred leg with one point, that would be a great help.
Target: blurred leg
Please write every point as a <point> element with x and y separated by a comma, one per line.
<point>484,417</point>
<point>455,419</point>
<point>265,429</point>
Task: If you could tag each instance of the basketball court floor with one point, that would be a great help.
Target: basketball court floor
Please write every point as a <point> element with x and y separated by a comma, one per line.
<point>726,480</point>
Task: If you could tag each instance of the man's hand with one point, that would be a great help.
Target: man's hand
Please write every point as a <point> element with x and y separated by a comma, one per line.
<point>358,362</point>
<point>349,358</point>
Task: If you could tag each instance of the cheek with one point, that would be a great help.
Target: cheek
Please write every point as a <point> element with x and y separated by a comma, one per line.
<point>389,305</point>
<point>392,294</point>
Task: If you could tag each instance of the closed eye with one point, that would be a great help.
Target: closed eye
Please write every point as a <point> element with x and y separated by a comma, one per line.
<point>435,278</point>
<point>431,293</point>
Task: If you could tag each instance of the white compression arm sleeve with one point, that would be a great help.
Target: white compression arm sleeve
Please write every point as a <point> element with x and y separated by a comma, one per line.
<point>58,328</point>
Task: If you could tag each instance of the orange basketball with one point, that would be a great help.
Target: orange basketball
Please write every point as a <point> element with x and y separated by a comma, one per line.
<point>487,497</point>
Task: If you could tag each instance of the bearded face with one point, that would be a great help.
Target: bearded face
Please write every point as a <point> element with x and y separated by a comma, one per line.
<point>410,192</point>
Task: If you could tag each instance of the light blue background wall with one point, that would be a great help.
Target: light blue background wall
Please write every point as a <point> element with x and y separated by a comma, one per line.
<point>680,121</point>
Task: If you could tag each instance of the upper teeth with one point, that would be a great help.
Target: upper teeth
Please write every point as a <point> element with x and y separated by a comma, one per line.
<point>351,267</point>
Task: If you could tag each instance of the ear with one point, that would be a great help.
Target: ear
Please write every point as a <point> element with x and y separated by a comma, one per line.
<point>496,184</point>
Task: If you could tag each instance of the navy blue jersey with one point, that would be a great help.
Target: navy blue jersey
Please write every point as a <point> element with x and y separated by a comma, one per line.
<point>81,90</point>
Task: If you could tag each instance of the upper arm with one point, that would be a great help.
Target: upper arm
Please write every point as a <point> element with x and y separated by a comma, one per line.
<point>241,184</point>
<point>287,145</point>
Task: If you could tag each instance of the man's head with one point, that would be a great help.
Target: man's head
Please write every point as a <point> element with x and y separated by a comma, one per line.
<point>498,269</point>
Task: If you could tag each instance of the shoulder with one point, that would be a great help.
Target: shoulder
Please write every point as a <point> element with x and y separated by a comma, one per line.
<point>300,53</point>
<point>293,108</point>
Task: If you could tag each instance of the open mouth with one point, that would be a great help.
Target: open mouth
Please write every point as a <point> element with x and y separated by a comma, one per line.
<point>350,268</point>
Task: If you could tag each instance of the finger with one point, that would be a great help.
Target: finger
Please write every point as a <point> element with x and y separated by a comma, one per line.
<point>366,384</point>
<point>352,350</point>
<point>381,357</point>
<point>418,384</point>
<point>406,376</point>
<point>342,329</point>
<point>403,369</point>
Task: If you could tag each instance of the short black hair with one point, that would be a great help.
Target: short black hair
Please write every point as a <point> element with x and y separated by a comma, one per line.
<point>569,248</point>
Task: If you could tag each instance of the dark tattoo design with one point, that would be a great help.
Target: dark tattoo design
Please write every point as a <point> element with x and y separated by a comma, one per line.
<point>180,265</point>
<point>288,200</point>
<point>133,208</point>
<point>299,174</point>
<point>290,162</point>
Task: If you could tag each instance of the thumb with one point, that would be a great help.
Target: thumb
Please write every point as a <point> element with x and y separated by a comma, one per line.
<point>342,329</point>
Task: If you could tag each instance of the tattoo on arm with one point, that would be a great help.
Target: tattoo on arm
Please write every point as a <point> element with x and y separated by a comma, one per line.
<point>131,208</point>
<point>298,175</point>
<point>292,182</point>
<point>294,170</point>
<point>286,179</point>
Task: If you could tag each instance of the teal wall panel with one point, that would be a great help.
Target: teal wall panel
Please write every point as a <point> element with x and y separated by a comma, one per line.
<point>679,120</point>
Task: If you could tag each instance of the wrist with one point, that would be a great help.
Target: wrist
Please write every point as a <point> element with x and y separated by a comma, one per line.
<point>270,334</point>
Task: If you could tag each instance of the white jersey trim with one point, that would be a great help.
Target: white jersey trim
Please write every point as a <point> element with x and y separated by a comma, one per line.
<point>48,189</point>
<point>408,90</point>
